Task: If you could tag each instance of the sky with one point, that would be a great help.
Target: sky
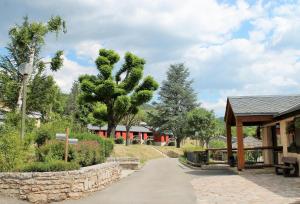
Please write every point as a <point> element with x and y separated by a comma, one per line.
<point>230,47</point>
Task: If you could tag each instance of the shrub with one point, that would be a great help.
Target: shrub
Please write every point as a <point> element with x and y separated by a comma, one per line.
<point>135,141</point>
<point>191,149</point>
<point>106,144</point>
<point>42,135</point>
<point>171,143</point>
<point>89,153</point>
<point>119,140</point>
<point>50,166</point>
<point>11,149</point>
<point>217,144</point>
<point>150,142</point>
<point>54,150</point>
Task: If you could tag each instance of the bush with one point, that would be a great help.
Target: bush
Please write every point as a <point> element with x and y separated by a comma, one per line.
<point>119,140</point>
<point>50,166</point>
<point>135,141</point>
<point>171,143</point>
<point>150,142</point>
<point>191,149</point>
<point>107,145</point>
<point>54,150</point>
<point>11,149</point>
<point>89,153</point>
<point>42,135</point>
<point>217,144</point>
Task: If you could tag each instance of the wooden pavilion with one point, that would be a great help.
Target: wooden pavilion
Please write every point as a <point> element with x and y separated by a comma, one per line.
<point>266,112</point>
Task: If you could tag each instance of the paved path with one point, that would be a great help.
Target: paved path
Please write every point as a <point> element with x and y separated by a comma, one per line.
<point>160,181</point>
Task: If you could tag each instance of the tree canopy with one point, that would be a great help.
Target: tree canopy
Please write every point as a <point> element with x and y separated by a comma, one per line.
<point>113,96</point>
<point>26,42</point>
<point>203,124</point>
<point>176,99</point>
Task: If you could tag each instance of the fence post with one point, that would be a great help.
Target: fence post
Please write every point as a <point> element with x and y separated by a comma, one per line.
<point>67,145</point>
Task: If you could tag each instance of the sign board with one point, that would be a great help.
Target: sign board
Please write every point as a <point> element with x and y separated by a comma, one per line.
<point>73,141</point>
<point>60,136</point>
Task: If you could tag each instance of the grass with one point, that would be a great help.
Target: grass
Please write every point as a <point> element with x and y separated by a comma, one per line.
<point>143,152</point>
<point>171,151</point>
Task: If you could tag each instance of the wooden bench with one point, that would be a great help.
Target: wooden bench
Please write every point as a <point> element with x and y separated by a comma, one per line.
<point>289,168</point>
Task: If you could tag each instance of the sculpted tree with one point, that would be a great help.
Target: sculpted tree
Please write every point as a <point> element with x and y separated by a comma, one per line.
<point>114,96</point>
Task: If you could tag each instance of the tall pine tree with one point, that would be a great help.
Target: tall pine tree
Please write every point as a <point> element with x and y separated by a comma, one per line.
<point>176,99</point>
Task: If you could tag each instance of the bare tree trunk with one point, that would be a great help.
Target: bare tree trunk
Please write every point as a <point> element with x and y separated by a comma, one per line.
<point>178,140</point>
<point>127,135</point>
<point>111,130</point>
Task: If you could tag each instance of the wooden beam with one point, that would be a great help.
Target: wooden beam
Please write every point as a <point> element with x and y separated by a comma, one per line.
<point>240,145</point>
<point>229,141</point>
<point>255,118</point>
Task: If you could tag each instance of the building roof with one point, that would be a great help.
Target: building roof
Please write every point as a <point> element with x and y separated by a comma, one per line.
<point>249,142</point>
<point>121,128</point>
<point>263,105</point>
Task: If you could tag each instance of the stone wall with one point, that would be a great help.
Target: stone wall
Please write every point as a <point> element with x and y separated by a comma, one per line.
<point>43,187</point>
<point>126,162</point>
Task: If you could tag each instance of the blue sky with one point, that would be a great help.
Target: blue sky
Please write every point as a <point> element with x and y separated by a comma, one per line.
<point>231,47</point>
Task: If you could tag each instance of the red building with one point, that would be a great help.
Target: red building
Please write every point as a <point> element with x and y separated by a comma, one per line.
<point>136,132</point>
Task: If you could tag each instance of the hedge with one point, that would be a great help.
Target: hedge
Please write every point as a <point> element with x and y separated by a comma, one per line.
<point>50,166</point>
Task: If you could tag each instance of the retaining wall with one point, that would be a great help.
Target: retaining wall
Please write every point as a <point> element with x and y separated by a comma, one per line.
<point>43,187</point>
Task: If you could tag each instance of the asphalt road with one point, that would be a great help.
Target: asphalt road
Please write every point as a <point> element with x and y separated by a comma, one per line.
<point>160,181</point>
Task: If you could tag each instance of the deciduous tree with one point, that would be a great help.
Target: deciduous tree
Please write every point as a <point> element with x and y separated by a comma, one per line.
<point>26,42</point>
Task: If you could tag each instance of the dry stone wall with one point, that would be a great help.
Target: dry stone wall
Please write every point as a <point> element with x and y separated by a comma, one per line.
<point>44,187</point>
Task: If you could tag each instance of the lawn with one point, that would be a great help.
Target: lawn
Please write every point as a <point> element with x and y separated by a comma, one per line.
<point>142,152</point>
<point>171,151</point>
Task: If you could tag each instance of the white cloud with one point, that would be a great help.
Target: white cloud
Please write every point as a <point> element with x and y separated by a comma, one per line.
<point>69,73</point>
<point>88,49</point>
<point>218,106</point>
<point>235,48</point>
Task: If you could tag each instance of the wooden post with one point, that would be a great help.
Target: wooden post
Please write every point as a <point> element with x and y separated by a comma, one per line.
<point>240,145</point>
<point>67,145</point>
<point>229,141</point>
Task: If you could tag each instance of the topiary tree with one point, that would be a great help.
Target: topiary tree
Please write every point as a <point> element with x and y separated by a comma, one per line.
<point>115,96</point>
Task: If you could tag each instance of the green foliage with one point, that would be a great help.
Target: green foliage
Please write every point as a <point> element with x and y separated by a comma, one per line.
<point>42,136</point>
<point>57,61</point>
<point>203,124</point>
<point>217,144</point>
<point>119,140</point>
<point>89,153</point>
<point>54,150</point>
<point>26,42</point>
<point>12,119</point>
<point>110,98</point>
<point>106,145</point>
<point>252,156</point>
<point>44,96</point>
<point>177,97</point>
<point>11,150</point>
<point>171,144</point>
<point>50,166</point>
